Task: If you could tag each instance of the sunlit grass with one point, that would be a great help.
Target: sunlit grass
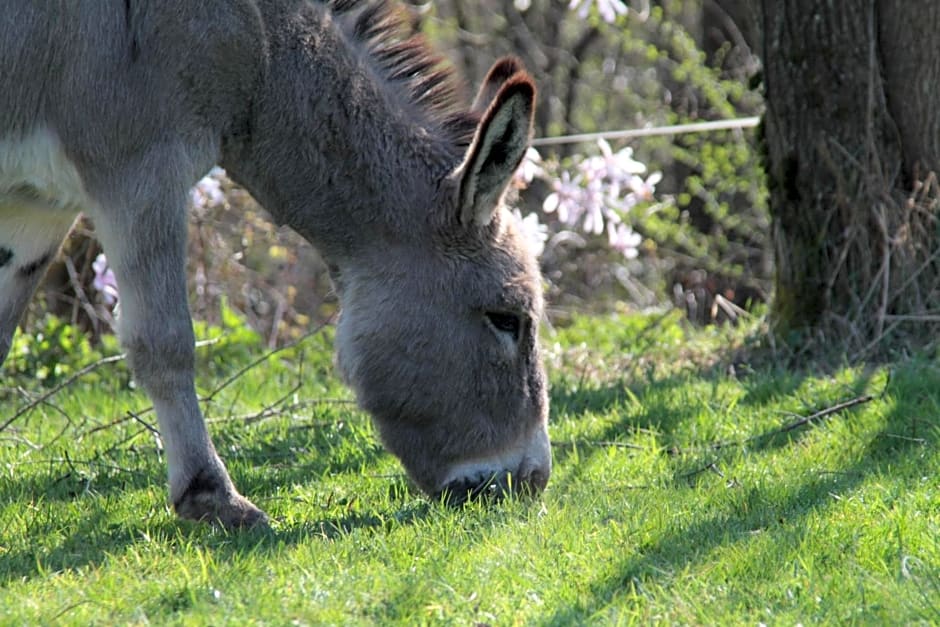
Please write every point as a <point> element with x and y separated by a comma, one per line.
<point>677,496</point>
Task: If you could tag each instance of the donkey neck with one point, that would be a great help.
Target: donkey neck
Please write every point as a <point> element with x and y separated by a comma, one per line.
<point>333,148</point>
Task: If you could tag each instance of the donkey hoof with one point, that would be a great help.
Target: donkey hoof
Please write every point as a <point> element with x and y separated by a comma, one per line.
<point>230,511</point>
<point>213,499</point>
<point>241,515</point>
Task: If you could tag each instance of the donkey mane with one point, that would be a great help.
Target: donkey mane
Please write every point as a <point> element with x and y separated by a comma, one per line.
<point>404,59</point>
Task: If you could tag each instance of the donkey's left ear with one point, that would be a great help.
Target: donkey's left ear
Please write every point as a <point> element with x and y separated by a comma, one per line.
<point>498,146</point>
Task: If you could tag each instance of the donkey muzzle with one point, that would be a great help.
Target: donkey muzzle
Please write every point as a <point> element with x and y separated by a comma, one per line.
<point>522,470</point>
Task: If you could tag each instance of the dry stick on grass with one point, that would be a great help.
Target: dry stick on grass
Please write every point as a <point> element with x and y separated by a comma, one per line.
<point>130,415</point>
<point>136,415</point>
<point>264,357</point>
<point>712,466</point>
<point>796,424</point>
<point>817,416</point>
<point>52,392</point>
<point>716,446</point>
<point>603,443</point>
<point>43,398</point>
<point>802,421</point>
<point>273,410</point>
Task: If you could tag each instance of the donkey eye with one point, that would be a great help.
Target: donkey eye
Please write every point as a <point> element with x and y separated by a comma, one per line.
<point>505,322</point>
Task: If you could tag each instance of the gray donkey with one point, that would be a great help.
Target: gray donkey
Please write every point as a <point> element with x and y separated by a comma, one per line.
<point>345,129</point>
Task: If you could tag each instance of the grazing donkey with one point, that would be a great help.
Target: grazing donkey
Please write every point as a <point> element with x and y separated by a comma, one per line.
<point>344,129</point>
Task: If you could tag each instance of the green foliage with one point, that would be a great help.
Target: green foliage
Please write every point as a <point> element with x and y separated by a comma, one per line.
<point>678,496</point>
<point>49,351</point>
<point>710,234</point>
<point>720,223</point>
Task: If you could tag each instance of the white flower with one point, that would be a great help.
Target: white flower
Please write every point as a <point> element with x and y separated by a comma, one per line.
<point>596,197</point>
<point>609,9</point>
<point>624,239</point>
<point>594,206</point>
<point>645,188</point>
<point>208,191</point>
<point>528,169</point>
<point>534,232</point>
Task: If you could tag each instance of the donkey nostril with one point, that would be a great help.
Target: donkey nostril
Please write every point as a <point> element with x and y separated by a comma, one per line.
<point>536,481</point>
<point>489,489</point>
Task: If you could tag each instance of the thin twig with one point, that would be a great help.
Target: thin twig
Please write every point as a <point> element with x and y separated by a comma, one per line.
<point>125,418</point>
<point>69,381</point>
<point>913,317</point>
<point>260,414</point>
<point>136,415</point>
<point>599,443</point>
<point>272,409</point>
<point>713,466</point>
<point>815,417</point>
<point>253,364</point>
<point>16,439</point>
<point>149,427</point>
<point>790,426</point>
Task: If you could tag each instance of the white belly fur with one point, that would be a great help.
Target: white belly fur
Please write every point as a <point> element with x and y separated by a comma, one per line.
<point>41,192</point>
<point>39,161</point>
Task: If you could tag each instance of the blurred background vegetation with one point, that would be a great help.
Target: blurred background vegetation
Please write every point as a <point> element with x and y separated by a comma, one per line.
<point>705,236</point>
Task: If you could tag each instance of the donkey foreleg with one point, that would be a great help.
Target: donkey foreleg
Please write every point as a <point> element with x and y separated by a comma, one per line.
<point>146,250</point>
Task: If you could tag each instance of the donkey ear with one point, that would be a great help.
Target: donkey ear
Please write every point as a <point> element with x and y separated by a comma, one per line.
<point>501,71</point>
<point>497,149</point>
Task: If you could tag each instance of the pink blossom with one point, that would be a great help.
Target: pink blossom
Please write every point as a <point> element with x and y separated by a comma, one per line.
<point>565,199</point>
<point>596,195</point>
<point>617,167</point>
<point>104,282</point>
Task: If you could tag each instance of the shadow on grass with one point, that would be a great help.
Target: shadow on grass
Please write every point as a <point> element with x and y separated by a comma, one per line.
<point>96,535</point>
<point>660,413</point>
<point>87,541</point>
<point>259,467</point>
<point>312,455</point>
<point>756,510</point>
<point>302,456</point>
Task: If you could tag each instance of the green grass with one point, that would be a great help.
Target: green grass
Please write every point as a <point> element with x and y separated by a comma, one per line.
<point>645,518</point>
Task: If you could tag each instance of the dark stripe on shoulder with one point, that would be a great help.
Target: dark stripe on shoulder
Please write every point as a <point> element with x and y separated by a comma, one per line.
<point>35,266</point>
<point>5,256</point>
<point>26,193</point>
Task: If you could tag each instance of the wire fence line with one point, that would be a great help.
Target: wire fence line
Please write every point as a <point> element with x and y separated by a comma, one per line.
<point>677,129</point>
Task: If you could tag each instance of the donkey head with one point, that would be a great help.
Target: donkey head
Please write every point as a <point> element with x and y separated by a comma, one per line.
<point>440,338</point>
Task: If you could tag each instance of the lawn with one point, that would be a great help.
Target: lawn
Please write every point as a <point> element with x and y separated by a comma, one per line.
<point>694,483</point>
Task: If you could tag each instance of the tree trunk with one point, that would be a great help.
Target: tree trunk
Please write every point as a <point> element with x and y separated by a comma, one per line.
<point>851,133</point>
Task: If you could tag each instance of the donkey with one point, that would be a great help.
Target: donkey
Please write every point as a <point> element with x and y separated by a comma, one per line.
<point>345,127</point>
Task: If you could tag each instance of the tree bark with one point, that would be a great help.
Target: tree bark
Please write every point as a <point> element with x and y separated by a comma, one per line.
<point>850,130</point>
<point>910,58</point>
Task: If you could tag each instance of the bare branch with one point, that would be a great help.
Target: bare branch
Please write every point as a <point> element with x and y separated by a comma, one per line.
<point>53,391</point>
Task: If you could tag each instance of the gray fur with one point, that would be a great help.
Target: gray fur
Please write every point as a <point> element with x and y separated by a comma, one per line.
<point>345,131</point>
